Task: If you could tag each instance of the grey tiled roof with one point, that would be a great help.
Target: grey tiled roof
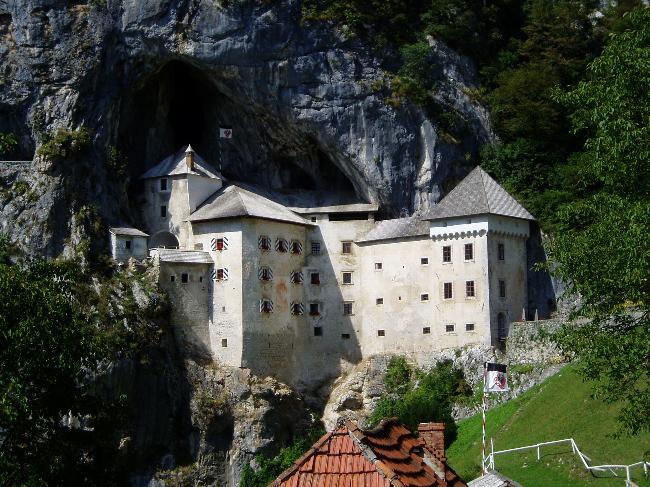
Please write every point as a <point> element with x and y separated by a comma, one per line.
<point>492,479</point>
<point>175,165</point>
<point>134,232</point>
<point>183,256</point>
<point>412,226</point>
<point>235,201</point>
<point>478,194</point>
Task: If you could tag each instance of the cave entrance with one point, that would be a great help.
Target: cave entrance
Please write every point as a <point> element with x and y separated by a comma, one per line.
<point>165,240</point>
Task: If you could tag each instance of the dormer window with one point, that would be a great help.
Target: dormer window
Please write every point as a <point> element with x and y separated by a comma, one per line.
<point>163,184</point>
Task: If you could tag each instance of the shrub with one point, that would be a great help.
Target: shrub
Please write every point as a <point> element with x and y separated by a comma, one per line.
<point>65,145</point>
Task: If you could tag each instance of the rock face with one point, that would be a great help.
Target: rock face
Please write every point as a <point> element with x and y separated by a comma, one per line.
<point>308,105</point>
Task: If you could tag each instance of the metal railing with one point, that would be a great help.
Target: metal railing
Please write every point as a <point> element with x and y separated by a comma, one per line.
<point>488,461</point>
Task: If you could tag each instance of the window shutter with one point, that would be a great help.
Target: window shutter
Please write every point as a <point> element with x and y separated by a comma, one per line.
<point>225,243</point>
<point>225,273</point>
<point>213,274</point>
<point>261,306</point>
<point>213,245</point>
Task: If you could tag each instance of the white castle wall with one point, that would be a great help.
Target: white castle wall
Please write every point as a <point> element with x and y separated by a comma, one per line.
<point>119,251</point>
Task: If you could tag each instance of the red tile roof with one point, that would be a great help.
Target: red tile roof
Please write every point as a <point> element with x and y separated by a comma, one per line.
<point>388,455</point>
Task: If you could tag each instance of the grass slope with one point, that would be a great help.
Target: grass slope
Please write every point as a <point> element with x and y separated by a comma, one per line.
<point>560,407</point>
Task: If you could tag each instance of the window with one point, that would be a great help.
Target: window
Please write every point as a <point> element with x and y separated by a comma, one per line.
<point>448,290</point>
<point>424,261</point>
<point>318,331</point>
<point>172,278</point>
<point>266,306</point>
<point>198,246</point>
<point>224,342</point>
<point>163,211</point>
<point>378,266</point>
<point>346,247</point>
<point>297,309</point>
<point>347,309</point>
<point>296,277</point>
<point>381,333</point>
<point>379,301</point>
<point>424,297</point>
<point>264,242</point>
<point>426,330</point>
<point>127,245</point>
<point>501,251</point>
<point>163,184</point>
<point>469,326</point>
<point>449,328</point>
<point>446,253</point>
<point>315,248</point>
<point>314,309</point>
<point>347,278</point>
<point>313,219</point>
<point>470,291</point>
<point>185,277</point>
<point>220,274</point>
<point>281,245</point>
<point>314,278</point>
<point>469,251</point>
<point>296,247</point>
<point>200,278</point>
<point>265,273</point>
<point>219,244</point>
<point>345,336</point>
<point>502,288</point>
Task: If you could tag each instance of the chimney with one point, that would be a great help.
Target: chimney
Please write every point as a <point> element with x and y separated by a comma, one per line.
<point>433,435</point>
<point>189,158</point>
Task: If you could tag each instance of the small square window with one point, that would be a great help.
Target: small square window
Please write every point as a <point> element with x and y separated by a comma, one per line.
<point>345,336</point>
<point>163,184</point>
<point>318,331</point>
<point>424,297</point>
<point>424,260</point>
<point>185,277</point>
<point>264,242</point>
<point>379,301</point>
<point>347,309</point>
<point>470,290</point>
<point>127,245</point>
<point>502,289</point>
<point>469,326</point>
<point>200,278</point>
<point>450,328</point>
<point>314,309</point>
<point>346,247</point>
<point>378,266</point>
<point>315,248</point>
<point>314,278</point>
<point>469,251</point>
<point>347,278</point>
<point>381,333</point>
<point>172,278</point>
<point>426,330</point>
<point>448,290</point>
<point>501,251</point>
<point>163,211</point>
<point>313,219</point>
<point>446,253</point>
<point>224,342</point>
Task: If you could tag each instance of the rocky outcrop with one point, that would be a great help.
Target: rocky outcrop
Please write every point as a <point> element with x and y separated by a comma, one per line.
<point>308,104</point>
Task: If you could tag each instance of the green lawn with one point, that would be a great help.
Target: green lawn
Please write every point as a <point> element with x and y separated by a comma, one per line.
<point>560,407</point>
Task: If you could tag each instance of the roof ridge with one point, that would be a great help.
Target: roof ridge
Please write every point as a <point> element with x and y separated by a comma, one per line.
<point>303,458</point>
<point>482,173</point>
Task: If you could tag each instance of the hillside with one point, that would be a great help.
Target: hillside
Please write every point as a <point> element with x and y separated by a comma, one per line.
<point>560,407</point>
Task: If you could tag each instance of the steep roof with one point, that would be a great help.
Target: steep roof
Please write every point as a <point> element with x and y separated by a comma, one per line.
<point>412,226</point>
<point>130,231</point>
<point>236,201</point>
<point>478,194</point>
<point>389,455</point>
<point>175,165</point>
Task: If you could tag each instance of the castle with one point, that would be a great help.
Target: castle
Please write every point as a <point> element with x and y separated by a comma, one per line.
<point>298,285</point>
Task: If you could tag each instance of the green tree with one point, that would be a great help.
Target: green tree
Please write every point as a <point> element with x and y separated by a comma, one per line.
<point>604,250</point>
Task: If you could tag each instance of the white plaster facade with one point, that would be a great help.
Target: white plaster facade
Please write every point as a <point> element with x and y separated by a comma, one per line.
<point>344,287</point>
<point>127,243</point>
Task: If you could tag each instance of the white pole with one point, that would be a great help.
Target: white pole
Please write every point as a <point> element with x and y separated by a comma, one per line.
<point>483,469</point>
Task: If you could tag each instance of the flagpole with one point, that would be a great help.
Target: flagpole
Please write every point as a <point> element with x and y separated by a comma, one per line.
<point>483,469</point>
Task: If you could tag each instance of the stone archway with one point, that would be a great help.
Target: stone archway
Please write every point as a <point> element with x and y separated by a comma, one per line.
<point>165,240</point>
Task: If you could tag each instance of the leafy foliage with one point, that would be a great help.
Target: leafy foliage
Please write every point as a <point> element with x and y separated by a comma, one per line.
<point>8,143</point>
<point>269,469</point>
<point>66,144</point>
<point>604,250</point>
<point>415,396</point>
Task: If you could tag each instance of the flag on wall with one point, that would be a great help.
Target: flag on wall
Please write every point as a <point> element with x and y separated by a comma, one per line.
<point>225,132</point>
<point>495,378</point>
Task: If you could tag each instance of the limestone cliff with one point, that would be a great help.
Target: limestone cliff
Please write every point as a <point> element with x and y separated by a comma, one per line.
<point>307,104</point>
